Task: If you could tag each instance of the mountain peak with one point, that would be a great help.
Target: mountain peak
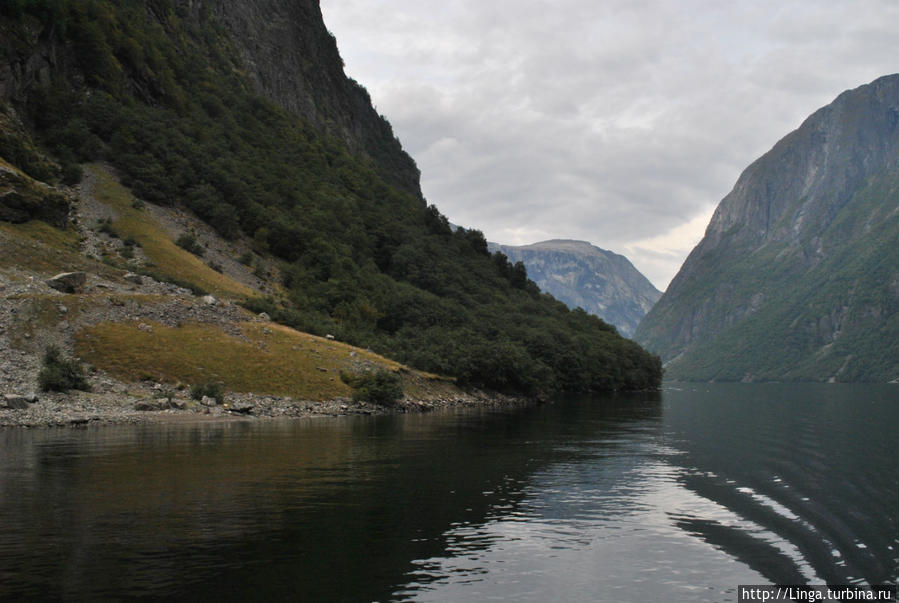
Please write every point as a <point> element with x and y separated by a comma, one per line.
<point>582,275</point>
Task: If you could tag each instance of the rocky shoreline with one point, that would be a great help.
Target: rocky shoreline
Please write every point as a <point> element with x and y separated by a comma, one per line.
<point>114,402</point>
<point>78,409</point>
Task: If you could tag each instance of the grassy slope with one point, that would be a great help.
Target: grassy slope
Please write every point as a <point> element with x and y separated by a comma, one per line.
<point>168,259</point>
<point>265,358</point>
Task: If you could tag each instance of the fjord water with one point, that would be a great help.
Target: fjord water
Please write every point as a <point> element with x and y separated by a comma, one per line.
<point>680,496</point>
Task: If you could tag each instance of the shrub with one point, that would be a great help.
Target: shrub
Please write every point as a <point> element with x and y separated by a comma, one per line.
<point>188,241</point>
<point>211,389</point>
<point>105,226</point>
<point>60,374</point>
<point>378,387</point>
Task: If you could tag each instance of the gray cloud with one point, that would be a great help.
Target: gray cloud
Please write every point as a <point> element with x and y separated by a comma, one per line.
<point>618,122</point>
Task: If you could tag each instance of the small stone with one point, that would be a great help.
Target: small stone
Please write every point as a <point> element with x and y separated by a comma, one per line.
<point>264,317</point>
<point>131,277</point>
<point>208,401</point>
<point>329,337</point>
<point>322,369</point>
<point>145,327</point>
<point>31,398</point>
<point>209,300</point>
<point>62,309</point>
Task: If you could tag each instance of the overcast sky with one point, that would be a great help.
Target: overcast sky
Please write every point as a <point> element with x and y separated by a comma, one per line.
<point>619,122</point>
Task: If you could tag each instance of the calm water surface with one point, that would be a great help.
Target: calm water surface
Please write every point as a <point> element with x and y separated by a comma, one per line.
<point>679,496</point>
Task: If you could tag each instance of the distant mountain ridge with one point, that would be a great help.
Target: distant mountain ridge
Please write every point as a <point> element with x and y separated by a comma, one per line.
<point>582,275</point>
<point>797,277</point>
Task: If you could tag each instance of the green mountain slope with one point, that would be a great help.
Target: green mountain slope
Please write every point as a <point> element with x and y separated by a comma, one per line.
<point>163,91</point>
<point>797,277</point>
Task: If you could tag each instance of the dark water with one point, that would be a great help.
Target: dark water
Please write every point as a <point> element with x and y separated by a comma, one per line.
<point>679,496</point>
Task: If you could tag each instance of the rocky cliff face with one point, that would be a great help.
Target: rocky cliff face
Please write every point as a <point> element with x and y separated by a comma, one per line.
<point>797,276</point>
<point>293,59</point>
<point>584,276</point>
<point>287,52</point>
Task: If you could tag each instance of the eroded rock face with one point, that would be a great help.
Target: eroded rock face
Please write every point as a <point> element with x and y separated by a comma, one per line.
<point>791,280</point>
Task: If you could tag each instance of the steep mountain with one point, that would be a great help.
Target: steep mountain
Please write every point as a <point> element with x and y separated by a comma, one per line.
<point>238,114</point>
<point>283,48</point>
<point>797,276</point>
<point>293,59</point>
<point>582,275</point>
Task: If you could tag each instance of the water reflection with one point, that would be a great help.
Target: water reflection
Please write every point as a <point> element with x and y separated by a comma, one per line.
<point>627,498</point>
<point>735,484</point>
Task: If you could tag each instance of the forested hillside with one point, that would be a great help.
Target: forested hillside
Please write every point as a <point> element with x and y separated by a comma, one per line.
<point>160,91</point>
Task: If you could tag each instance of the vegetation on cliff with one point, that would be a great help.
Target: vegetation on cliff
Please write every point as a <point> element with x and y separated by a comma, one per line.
<point>797,277</point>
<point>160,93</point>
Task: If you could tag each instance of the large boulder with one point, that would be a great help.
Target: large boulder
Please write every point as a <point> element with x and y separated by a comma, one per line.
<point>15,401</point>
<point>68,282</point>
<point>244,408</point>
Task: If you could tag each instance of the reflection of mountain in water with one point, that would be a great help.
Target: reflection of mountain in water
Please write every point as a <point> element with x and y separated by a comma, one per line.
<point>323,510</point>
<point>807,484</point>
<point>610,499</point>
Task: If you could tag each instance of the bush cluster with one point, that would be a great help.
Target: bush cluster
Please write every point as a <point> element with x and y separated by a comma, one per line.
<point>188,242</point>
<point>211,389</point>
<point>377,387</point>
<point>60,374</point>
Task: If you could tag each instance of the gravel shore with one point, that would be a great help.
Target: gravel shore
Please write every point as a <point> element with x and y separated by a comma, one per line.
<point>77,409</point>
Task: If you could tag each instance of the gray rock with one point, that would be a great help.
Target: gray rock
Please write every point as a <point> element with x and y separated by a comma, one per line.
<point>131,277</point>
<point>158,404</point>
<point>264,317</point>
<point>209,300</point>
<point>68,282</point>
<point>244,408</point>
<point>31,398</point>
<point>15,401</point>
<point>208,401</point>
